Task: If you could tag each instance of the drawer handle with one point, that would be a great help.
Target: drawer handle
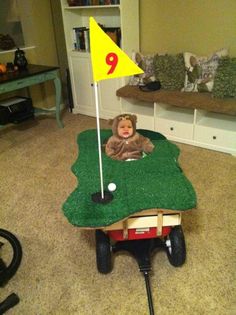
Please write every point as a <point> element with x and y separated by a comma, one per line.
<point>171,128</point>
<point>214,137</point>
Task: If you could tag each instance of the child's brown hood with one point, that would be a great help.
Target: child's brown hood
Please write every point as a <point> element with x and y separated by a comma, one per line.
<point>114,122</point>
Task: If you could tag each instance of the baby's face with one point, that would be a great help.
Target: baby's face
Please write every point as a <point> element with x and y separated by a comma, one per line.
<point>125,128</point>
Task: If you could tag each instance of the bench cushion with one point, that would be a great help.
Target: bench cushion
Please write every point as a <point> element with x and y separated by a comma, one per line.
<point>203,101</point>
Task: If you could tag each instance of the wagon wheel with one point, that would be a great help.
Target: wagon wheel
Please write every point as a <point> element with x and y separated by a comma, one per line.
<point>103,252</point>
<point>10,259</point>
<point>175,246</point>
<point>10,255</point>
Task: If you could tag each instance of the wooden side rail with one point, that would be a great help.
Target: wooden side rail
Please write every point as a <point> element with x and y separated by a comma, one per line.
<point>147,219</point>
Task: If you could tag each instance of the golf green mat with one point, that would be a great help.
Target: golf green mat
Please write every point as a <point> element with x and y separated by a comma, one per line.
<point>155,181</point>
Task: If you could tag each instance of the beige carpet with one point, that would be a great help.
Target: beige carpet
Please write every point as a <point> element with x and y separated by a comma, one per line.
<point>58,272</point>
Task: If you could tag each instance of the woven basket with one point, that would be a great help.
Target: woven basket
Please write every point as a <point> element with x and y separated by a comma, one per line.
<point>6,42</point>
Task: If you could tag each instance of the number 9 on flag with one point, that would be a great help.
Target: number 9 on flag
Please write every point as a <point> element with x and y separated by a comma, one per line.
<point>111,60</point>
<point>108,60</point>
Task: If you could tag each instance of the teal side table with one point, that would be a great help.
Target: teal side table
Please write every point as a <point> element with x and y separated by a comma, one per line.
<point>34,74</point>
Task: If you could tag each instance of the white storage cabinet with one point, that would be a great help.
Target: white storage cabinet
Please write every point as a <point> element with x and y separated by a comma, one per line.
<point>197,127</point>
<point>124,15</point>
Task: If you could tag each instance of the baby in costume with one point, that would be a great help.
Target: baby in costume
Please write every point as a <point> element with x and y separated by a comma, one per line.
<point>126,143</point>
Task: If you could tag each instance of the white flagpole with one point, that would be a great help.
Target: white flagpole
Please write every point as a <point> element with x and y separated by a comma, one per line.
<point>99,138</point>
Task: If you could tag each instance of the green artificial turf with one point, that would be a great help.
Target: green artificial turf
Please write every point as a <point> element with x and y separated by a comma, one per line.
<point>156,181</point>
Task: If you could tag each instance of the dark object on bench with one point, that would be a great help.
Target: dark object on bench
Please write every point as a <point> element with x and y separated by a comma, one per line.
<point>151,86</point>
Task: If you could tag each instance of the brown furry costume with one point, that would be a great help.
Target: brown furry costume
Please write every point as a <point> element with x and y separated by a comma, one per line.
<point>119,148</point>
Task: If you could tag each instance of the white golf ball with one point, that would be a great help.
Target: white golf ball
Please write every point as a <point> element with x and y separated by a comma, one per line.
<point>111,187</point>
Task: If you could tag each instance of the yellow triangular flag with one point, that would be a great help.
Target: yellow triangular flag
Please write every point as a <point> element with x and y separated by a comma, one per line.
<point>108,60</point>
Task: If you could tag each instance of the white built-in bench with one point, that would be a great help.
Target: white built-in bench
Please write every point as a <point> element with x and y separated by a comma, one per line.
<point>187,117</point>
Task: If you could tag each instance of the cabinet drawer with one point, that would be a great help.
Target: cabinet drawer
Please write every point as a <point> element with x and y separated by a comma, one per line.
<point>174,128</point>
<point>214,136</point>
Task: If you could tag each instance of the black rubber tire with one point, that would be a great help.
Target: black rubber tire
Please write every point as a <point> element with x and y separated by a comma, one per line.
<point>103,252</point>
<point>9,271</point>
<point>176,251</point>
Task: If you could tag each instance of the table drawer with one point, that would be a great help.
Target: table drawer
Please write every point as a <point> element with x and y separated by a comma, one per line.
<point>174,128</point>
<point>50,75</point>
<point>14,85</point>
<point>3,88</point>
<point>21,83</point>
